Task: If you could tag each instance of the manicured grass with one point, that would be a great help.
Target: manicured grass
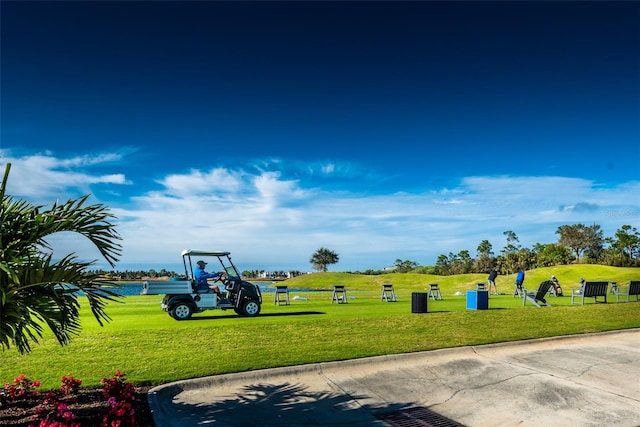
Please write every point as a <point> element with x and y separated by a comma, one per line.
<point>152,348</point>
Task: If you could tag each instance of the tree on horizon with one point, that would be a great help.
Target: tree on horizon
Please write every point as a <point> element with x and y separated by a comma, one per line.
<point>579,237</point>
<point>322,258</point>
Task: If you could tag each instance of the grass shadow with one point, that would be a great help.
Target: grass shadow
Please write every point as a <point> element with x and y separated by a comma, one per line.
<point>227,316</point>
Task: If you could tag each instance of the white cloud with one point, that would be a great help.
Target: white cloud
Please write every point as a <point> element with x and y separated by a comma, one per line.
<point>328,169</point>
<point>40,176</point>
<point>89,160</point>
<point>372,231</point>
<point>197,182</point>
<point>269,221</point>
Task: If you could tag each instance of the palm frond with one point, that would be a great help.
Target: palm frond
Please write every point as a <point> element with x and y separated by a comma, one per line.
<point>92,221</point>
<point>47,293</point>
<point>36,291</point>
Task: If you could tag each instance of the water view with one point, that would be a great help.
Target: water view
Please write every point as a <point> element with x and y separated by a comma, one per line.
<point>135,288</point>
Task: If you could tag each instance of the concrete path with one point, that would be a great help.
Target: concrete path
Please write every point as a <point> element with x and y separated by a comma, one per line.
<point>581,380</point>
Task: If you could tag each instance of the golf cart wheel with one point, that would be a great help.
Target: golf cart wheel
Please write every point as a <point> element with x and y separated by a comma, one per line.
<point>251,308</point>
<point>181,311</point>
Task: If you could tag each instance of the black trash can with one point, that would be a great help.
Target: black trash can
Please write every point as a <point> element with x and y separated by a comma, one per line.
<point>419,302</point>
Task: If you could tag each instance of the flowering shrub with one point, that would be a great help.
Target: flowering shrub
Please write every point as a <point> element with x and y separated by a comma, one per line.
<point>121,414</point>
<point>121,395</point>
<point>53,413</point>
<point>118,387</point>
<point>22,387</point>
<point>70,385</point>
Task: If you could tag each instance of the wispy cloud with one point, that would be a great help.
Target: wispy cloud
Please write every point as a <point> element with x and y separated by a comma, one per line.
<point>269,220</point>
<point>197,182</point>
<point>38,177</point>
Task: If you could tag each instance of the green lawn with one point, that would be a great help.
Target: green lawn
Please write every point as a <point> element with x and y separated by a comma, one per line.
<point>152,348</point>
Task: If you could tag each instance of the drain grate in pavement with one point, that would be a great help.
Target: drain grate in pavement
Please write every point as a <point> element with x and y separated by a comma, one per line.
<point>417,417</point>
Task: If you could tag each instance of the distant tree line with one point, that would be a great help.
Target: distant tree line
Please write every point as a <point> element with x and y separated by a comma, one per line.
<point>137,274</point>
<point>153,274</point>
<point>577,243</point>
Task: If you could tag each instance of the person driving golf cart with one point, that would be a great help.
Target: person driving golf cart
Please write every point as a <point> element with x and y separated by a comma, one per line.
<point>201,277</point>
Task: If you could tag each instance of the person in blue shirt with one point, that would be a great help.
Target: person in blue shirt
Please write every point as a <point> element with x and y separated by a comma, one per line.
<point>519,290</point>
<point>201,276</point>
<point>520,278</point>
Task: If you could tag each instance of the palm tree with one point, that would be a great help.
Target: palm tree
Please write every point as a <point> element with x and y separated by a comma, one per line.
<point>35,290</point>
<point>323,257</point>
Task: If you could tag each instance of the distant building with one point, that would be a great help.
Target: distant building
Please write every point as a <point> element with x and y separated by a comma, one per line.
<point>273,275</point>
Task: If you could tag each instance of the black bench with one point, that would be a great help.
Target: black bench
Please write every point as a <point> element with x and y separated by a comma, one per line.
<point>632,289</point>
<point>590,290</point>
<point>537,297</point>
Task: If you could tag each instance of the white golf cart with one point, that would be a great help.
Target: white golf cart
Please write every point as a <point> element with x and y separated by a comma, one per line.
<point>182,299</point>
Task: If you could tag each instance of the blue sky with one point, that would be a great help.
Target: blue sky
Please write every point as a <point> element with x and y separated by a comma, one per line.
<point>380,130</point>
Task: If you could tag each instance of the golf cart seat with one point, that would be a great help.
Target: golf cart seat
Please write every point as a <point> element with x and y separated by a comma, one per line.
<point>200,289</point>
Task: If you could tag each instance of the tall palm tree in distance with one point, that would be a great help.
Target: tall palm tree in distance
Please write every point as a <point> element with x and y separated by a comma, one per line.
<point>37,291</point>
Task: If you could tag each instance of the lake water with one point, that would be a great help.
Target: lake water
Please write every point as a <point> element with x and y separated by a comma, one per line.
<point>265,287</point>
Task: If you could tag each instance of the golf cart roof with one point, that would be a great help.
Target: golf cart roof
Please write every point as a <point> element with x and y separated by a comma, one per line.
<point>196,252</point>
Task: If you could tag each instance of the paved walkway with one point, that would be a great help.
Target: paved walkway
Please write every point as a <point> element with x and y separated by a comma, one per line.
<point>580,380</point>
